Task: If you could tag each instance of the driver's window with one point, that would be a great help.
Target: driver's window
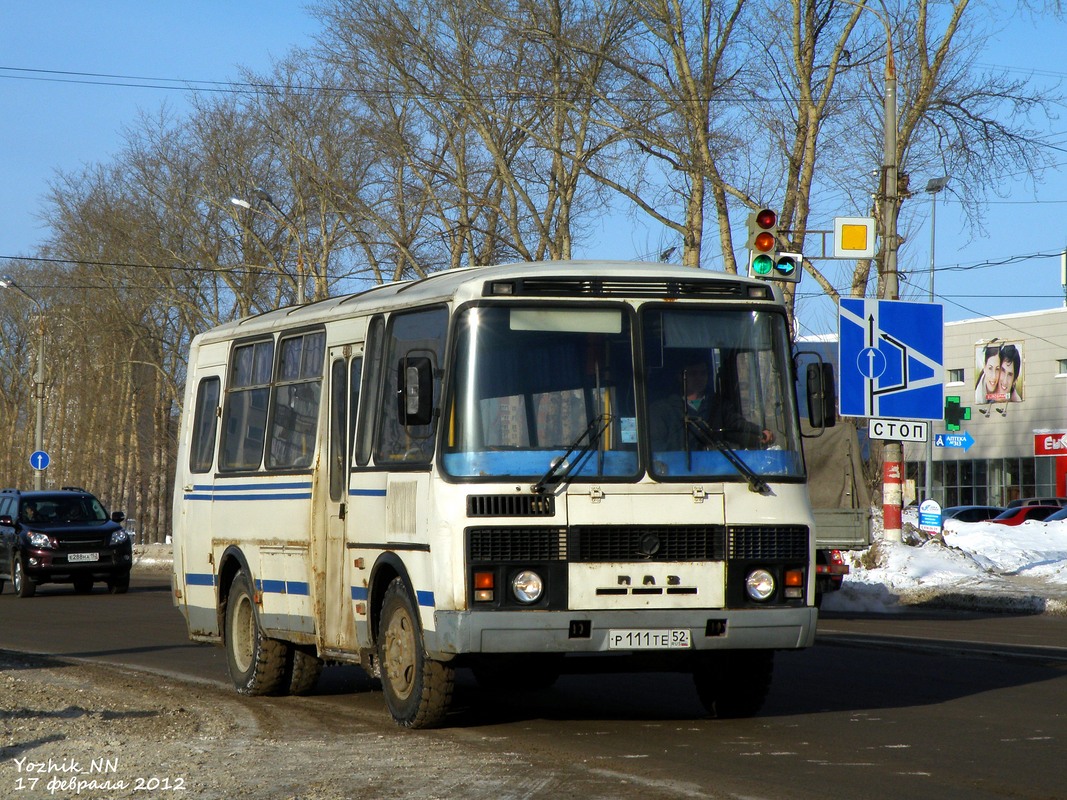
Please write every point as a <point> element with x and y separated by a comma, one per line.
<point>419,334</point>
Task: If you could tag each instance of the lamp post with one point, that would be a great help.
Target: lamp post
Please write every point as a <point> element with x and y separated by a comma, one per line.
<point>264,196</point>
<point>7,282</point>
<point>933,186</point>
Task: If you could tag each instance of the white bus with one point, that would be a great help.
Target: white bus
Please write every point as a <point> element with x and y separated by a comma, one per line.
<point>504,469</point>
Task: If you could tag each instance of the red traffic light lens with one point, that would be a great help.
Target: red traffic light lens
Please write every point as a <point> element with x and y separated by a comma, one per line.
<point>764,242</point>
<point>766,218</point>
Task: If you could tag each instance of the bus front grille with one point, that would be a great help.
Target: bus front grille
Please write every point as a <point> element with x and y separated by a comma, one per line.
<point>614,543</point>
<point>768,542</point>
<point>497,545</point>
<point>594,544</point>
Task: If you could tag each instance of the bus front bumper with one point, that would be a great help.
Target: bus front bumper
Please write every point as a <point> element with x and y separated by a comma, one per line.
<point>459,632</point>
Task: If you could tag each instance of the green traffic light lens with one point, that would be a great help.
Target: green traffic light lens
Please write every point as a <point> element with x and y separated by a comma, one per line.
<point>786,266</point>
<point>762,265</point>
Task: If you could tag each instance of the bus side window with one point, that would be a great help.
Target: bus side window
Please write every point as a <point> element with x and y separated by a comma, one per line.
<point>344,400</point>
<point>355,379</point>
<point>295,401</point>
<point>369,407</point>
<point>244,423</point>
<point>202,447</point>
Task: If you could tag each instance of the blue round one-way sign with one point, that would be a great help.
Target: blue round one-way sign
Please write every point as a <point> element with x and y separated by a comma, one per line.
<point>39,459</point>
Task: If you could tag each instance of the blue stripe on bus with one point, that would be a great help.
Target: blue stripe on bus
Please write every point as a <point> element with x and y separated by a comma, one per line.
<point>361,593</point>
<point>283,587</point>
<point>255,492</point>
<point>247,487</point>
<point>265,491</point>
<point>246,497</point>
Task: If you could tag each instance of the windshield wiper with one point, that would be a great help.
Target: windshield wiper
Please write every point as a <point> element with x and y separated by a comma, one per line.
<point>561,467</point>
<point>708,435</point>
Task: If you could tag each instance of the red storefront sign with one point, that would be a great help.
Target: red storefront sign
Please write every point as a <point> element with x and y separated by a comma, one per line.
<point>1050,443</point>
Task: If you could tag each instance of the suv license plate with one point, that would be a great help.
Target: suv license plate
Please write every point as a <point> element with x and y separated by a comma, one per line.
<point>650,639</point>
<point>83,557</point>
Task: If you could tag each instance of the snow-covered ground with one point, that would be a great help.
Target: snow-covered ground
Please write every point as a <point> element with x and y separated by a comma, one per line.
<point>981,565</point>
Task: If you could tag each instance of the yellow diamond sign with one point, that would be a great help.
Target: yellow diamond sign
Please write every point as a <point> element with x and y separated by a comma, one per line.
<point>853,237</point>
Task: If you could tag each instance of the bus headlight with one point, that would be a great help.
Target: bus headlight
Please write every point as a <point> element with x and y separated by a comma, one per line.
<point>527,586</point>
<point>759,584</point>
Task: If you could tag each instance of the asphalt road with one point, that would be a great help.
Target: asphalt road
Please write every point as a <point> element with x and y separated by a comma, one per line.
<point>918,705</point>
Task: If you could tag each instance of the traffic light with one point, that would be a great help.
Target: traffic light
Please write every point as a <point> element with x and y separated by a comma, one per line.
<point>955,413</point>
<point>764,260</point>
<point>762,242</point>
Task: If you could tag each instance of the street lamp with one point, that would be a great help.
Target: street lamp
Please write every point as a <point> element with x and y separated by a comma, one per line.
<point>934,186</point>
<point>264,196</point>
<point>7,282</point>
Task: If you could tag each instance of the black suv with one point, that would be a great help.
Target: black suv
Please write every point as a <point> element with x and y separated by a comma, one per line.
<point>63,536</point>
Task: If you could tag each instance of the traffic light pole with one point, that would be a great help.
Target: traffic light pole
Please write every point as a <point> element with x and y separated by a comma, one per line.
<point>893,453</point>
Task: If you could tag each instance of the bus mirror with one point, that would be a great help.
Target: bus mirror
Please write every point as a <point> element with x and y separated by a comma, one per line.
<point>415,394</point>
<point>822,396</point>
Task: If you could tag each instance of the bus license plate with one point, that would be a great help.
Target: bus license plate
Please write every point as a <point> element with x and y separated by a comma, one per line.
<point>83,557</point>
<point>654,639</point>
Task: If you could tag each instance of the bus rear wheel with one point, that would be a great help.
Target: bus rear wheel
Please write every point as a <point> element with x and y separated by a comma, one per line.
<point>417,689</point>
<point>302,671</point>
<point>733,683</point>
<point>256,663</point>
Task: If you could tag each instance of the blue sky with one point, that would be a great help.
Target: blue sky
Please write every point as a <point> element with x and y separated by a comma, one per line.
<point>49,126</point>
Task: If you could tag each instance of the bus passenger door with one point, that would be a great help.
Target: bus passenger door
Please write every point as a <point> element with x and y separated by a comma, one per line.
<point>346,364</point>
<point>194,569</point>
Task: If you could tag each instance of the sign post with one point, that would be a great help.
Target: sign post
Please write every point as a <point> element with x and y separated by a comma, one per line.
<point>891,357</point>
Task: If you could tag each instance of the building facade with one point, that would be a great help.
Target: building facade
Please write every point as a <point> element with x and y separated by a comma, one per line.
<point>1011,373</point>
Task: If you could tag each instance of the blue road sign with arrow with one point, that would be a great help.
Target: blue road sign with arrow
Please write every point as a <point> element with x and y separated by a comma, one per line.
<point>964,440</point>
<point>39,459</point>
<point>891,359</point>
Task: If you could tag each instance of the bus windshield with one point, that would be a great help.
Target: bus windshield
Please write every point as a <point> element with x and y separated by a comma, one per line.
<point>719,394</point>
<point>550,392</point>
<point>540,391</point>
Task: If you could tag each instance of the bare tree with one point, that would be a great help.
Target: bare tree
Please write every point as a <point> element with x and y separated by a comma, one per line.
<point>954,117</point>
<point>488,115</point>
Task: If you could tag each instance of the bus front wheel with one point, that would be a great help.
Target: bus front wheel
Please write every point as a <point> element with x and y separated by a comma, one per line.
<point>256,663</point>
<point>417,689</point>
